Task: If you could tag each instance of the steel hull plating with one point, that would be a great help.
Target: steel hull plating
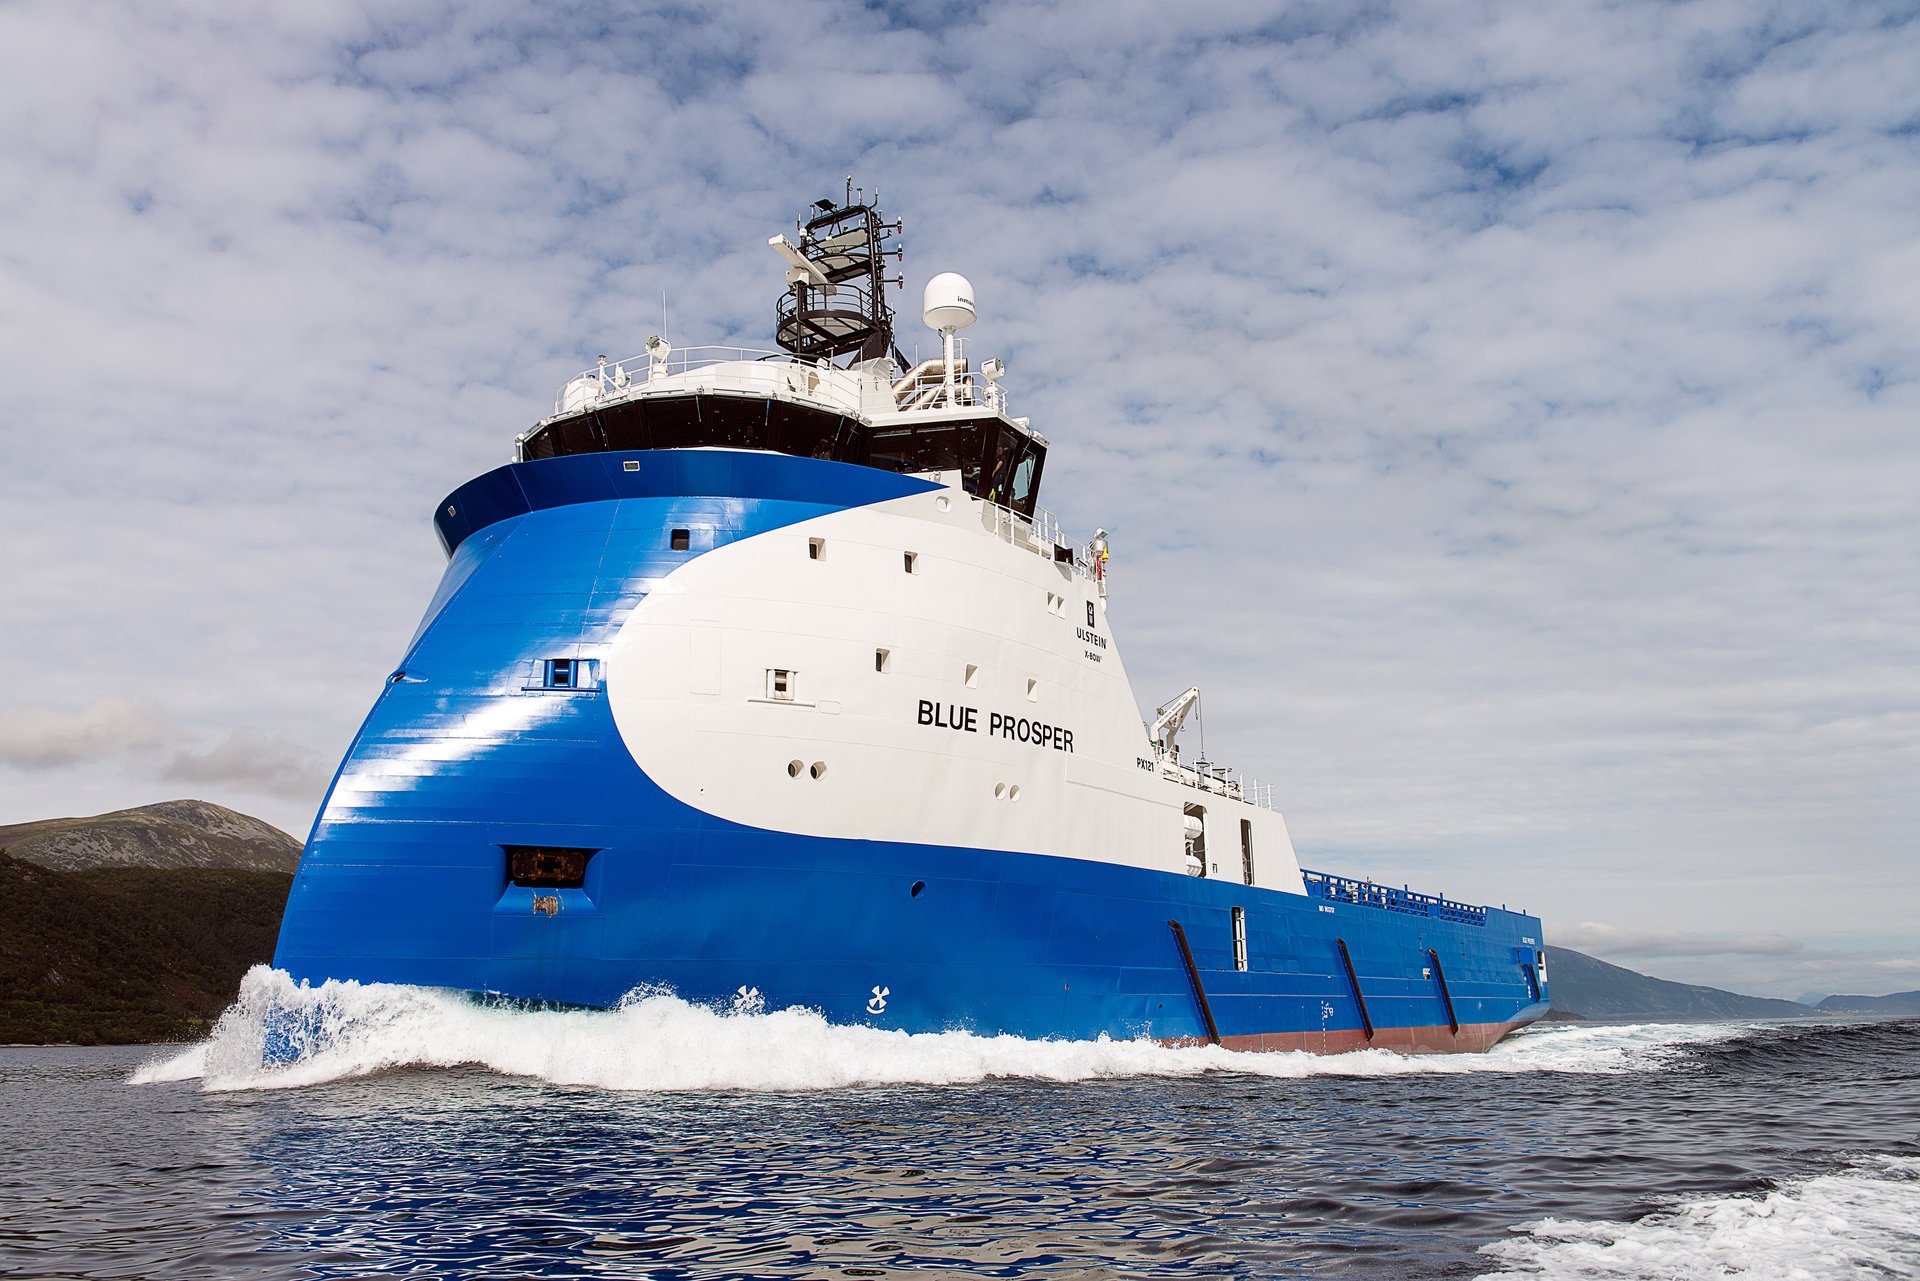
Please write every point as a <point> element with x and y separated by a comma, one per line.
<point>405,880</point>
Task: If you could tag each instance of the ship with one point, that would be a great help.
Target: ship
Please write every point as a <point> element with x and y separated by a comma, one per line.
<point>762,678</point>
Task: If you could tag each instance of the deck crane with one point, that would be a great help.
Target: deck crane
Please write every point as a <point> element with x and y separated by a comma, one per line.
<point>1169,719</point>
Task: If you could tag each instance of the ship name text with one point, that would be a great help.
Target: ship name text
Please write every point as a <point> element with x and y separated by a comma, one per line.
<point>966,720</point>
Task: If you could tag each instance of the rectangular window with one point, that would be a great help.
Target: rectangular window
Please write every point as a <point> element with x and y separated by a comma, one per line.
<point>565,673</point>
<point>681,540</point>
<point>816,549</point>
<point>882,660</point>
<point>1246,851</point>
<point>913,562</point>
<point>973,675</point>
<point>780,683</point>
<point>1239,938</point>
<point>631,464</point>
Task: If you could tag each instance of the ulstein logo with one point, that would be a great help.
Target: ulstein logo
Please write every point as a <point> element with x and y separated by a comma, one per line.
<point>878,1003</point>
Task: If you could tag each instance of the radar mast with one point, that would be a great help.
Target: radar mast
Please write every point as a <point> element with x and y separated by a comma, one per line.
<point>836,298</point>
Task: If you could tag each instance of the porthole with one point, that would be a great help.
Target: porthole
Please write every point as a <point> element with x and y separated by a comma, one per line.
<point>917,887</point>
<point>794,768</point>
<point>818,769</point>
<point>943,503</point>
<point>973,675</point>
<point>999,790</point>
<point>1013,793</point>
<point>1033,690</point>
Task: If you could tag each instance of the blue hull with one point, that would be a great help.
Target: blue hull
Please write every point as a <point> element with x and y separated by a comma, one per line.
<point>404,879</point>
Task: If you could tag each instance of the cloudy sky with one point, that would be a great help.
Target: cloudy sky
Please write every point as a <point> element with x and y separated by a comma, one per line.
<point>1505,413</point>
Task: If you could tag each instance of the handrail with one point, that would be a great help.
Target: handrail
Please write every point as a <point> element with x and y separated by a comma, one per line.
<point>619,377</point>
<point>1216,780</point>
<point>1343,889</point>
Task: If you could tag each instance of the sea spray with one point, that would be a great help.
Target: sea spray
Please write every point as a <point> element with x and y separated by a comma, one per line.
<point>656,1041</point>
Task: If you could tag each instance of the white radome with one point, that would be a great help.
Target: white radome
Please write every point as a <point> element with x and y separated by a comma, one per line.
<point>947,303</point>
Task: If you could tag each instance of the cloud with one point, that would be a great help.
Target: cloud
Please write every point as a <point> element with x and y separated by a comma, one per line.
<point>1505,417</point>
<point>256,761</point>
<point>40,738</point>
<point>1615,940</point>
<point>139,737</point>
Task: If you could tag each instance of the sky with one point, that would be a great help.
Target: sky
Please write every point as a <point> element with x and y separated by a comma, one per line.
<point>1505,414</point>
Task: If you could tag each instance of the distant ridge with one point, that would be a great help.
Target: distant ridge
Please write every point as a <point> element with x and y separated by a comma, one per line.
<point>171,834</point>
<point>1895,1003</point>
<point>1581,984</point>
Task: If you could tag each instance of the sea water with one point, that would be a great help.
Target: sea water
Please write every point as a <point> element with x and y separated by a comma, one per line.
<point>433,1137</point>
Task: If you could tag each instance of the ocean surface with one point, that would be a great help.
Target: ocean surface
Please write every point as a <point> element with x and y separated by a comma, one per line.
<point>432,1137</point>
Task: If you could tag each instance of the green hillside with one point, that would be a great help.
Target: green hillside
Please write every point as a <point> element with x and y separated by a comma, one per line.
<point>115,955</point>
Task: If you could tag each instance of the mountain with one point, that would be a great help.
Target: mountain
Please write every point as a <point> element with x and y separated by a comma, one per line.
<point>1581,984</point>
<point>172,834</point>
<point>135,925</point>
<point>1896,1003</point>
<point>113,955</point>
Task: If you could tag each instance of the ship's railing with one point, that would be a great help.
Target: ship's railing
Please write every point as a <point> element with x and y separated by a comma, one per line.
<point>1218,780</point>
<point>1041,534</point>
<point>617,377</point>
<point>921,387</point>
<point>924,386</point>
<point>1344,889</point>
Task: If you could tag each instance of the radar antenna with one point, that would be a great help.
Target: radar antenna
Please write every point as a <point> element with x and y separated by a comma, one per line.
<point>836,298</point>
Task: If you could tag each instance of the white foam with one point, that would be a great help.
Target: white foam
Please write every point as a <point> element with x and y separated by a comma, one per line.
<point>1858,1222</point>
<point>656,1041</point>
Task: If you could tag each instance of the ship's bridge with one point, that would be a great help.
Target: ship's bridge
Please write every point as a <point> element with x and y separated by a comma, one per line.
<point>940,416</point>
<point>741,399</point>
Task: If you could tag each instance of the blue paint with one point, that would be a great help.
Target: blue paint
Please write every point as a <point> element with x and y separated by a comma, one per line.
<point>404,878</point>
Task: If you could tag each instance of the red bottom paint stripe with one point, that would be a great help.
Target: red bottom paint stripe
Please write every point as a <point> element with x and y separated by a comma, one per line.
<point>1471,1038</point>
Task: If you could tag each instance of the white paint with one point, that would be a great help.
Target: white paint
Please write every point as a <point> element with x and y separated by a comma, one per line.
<point>969,628</point>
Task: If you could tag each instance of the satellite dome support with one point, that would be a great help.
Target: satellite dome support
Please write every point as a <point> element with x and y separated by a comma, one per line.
<point>947,305</point>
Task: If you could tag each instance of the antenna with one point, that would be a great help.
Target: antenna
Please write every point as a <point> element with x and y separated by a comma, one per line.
<point>947,305</point>
<point>836,300</point>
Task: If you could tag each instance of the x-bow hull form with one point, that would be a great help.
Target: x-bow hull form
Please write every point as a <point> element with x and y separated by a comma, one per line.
<point>769,680</point>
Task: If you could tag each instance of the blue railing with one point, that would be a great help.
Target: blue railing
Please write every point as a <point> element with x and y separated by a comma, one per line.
<point>1343,889</point>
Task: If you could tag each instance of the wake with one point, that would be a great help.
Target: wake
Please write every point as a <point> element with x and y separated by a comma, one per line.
<point>1851,1223</point>
<point>656,1042</point>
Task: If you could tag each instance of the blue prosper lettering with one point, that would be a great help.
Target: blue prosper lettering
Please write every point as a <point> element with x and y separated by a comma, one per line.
<point>950,716</point>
